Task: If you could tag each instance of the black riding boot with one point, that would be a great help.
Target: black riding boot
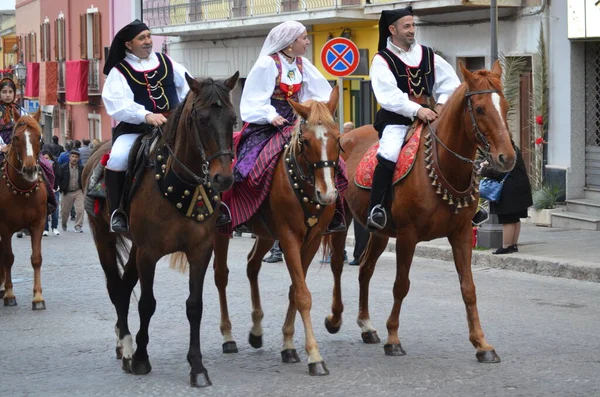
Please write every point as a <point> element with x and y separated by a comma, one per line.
<point>115,182</point>
<point>224,215</point>
<point>338,223</point>
<point>382,179</point>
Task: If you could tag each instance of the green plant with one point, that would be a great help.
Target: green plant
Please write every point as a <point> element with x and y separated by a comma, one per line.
<point>546,197</point>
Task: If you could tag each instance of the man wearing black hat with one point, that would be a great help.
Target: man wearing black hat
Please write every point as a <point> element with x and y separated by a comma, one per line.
<point>404,76</point>
<point>141,88</point>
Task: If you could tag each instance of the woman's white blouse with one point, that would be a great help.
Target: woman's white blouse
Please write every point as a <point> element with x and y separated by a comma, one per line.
<point>255,106</point>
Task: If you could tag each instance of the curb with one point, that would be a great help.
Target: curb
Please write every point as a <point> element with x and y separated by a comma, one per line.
<point>517,262</point>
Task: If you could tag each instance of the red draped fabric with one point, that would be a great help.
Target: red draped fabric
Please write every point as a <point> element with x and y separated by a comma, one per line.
<point>48,83</point>
<point>32,84</point>
<point>76,82</point>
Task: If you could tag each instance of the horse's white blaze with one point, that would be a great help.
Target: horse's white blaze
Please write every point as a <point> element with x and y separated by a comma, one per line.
<point>496,102</point>
<point>127,343</point>
<point>365,325</point>
<point>28,144</point>
<point>330,192</point>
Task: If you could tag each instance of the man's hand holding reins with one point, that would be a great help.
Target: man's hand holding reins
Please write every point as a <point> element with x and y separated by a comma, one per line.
<point>155,119</point>
<point>426,114</point>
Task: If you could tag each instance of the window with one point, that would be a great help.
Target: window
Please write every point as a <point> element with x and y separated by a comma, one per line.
<point>60,49</point>
<point>91,45</point>
<point>94,126</point>
<point>45,40</point>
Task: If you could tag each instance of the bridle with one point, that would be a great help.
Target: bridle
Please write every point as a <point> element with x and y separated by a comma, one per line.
<point>478,134</point>
<point>19,171</point>
<point>203,178</point>
<point>312,166</point>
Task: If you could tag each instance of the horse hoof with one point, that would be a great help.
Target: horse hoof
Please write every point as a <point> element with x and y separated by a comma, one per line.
<point>119,351</point>
<point>290,356</point>
<point>332,329</point>
<point>255,341</point>
<point>38,305</point>
<point>10,301</point>
<point>200,380</point>
<point>393,350</point>
<point>230,347</point>
<point>140,367</point>
<point>126,365</point>
<point>488,357</point>
<point>318,369</point>
<point>370,337</point>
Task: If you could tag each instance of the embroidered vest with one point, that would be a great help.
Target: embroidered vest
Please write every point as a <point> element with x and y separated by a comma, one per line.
<point>415,81</point>
<point>282,91</point>
<point>154,89</point>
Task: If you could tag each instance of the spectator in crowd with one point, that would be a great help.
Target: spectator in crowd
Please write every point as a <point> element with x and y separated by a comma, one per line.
<point>64,156</point>
<point>54,216</point>
<point>348,126</point>
<point>72,190</point>
<point>54,148</point>
<point>85,151</point>
<point>513,203</point>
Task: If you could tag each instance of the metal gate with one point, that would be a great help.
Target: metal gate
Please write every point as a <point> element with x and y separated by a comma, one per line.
<point>592,114</point>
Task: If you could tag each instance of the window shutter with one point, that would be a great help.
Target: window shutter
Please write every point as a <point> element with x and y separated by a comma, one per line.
<point>42,42</point>
<point>33,47</point>
<point>97,35</point>
<point>56,40</point>
<point>83,35</point>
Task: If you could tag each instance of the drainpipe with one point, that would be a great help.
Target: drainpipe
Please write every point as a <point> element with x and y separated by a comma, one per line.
<point>493,31</point>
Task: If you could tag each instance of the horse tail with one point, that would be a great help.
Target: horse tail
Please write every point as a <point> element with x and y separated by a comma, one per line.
<point>179,262</point>
<point>325,248</point>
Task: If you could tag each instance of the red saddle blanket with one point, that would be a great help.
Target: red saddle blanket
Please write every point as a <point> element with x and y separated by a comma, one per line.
<point>364,172</point>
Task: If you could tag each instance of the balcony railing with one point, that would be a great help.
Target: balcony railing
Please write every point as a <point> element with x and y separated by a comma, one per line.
<point>158,13</point>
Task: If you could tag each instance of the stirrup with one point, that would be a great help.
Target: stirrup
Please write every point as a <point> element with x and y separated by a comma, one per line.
<point>224,211</point>
<point>119,212</point>
<point>371,225</point>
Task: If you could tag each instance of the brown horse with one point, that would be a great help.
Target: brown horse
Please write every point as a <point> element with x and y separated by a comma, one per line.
<point>196,149</point>
<point>437,199</point>
<point>296,212</point>
<point>22,205</point>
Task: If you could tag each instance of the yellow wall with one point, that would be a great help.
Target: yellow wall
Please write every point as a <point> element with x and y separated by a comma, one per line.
<point>364,34</point>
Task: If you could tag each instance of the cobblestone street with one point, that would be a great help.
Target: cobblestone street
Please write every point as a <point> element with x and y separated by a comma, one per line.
<point>544,329</point>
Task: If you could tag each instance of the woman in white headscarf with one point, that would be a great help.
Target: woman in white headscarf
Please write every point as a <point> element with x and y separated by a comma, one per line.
<point>280,73</point>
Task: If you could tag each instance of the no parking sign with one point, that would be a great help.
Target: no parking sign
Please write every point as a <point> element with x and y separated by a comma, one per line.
<point>340,57</point>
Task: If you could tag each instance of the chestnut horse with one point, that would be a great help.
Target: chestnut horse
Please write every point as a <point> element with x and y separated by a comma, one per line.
<point>437,199</point>
<point>22,205</point>
<point>297,211</point>
<point>196,143</point>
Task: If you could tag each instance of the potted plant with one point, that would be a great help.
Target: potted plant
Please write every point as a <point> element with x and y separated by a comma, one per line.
<point>544,204</point>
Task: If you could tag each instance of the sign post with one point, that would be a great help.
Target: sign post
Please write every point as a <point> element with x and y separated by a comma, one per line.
<point>340,58</point>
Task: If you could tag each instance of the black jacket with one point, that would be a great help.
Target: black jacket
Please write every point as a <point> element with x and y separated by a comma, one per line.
<point>516,193</point>
<point>65,175</point>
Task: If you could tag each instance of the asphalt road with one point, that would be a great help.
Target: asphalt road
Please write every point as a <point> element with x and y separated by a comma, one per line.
<point>544,329</point>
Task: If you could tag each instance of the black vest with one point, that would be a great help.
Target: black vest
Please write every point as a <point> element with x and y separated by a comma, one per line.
<point>154,89</point>
<point>414,81</point>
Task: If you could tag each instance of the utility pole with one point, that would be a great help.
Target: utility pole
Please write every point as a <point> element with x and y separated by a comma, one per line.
<point>494,31</point>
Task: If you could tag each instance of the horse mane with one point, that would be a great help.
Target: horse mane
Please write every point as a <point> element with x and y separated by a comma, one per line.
<point>484,79</point>
<point>320,112</point>
<point>211,92</point>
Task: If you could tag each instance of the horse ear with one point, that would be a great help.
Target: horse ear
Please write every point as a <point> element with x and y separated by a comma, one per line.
<point>302,110</point>
<point>467,75</point>
<point>37,115</point>
<point>497,69</point>
<point>333,99</point>
<point>192,82</point>
<point>232,81</point>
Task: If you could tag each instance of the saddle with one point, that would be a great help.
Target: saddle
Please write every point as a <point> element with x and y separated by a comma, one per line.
<point>364,172</point>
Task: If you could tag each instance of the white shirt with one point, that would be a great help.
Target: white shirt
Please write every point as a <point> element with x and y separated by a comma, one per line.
<point>385,87</point>
<point>255,105</point>
<point>118,97</point>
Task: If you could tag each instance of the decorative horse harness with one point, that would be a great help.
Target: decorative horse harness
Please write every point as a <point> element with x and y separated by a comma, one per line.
<point>455,198</point>
<point>295,171</point>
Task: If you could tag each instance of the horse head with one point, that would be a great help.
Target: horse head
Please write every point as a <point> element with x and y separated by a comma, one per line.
<point>209,115</point>
<point>25,146</point>
<point>487,114</point>
<point>317,140</point>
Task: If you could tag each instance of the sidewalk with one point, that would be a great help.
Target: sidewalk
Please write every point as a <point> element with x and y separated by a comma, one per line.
<point>546,251</point>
